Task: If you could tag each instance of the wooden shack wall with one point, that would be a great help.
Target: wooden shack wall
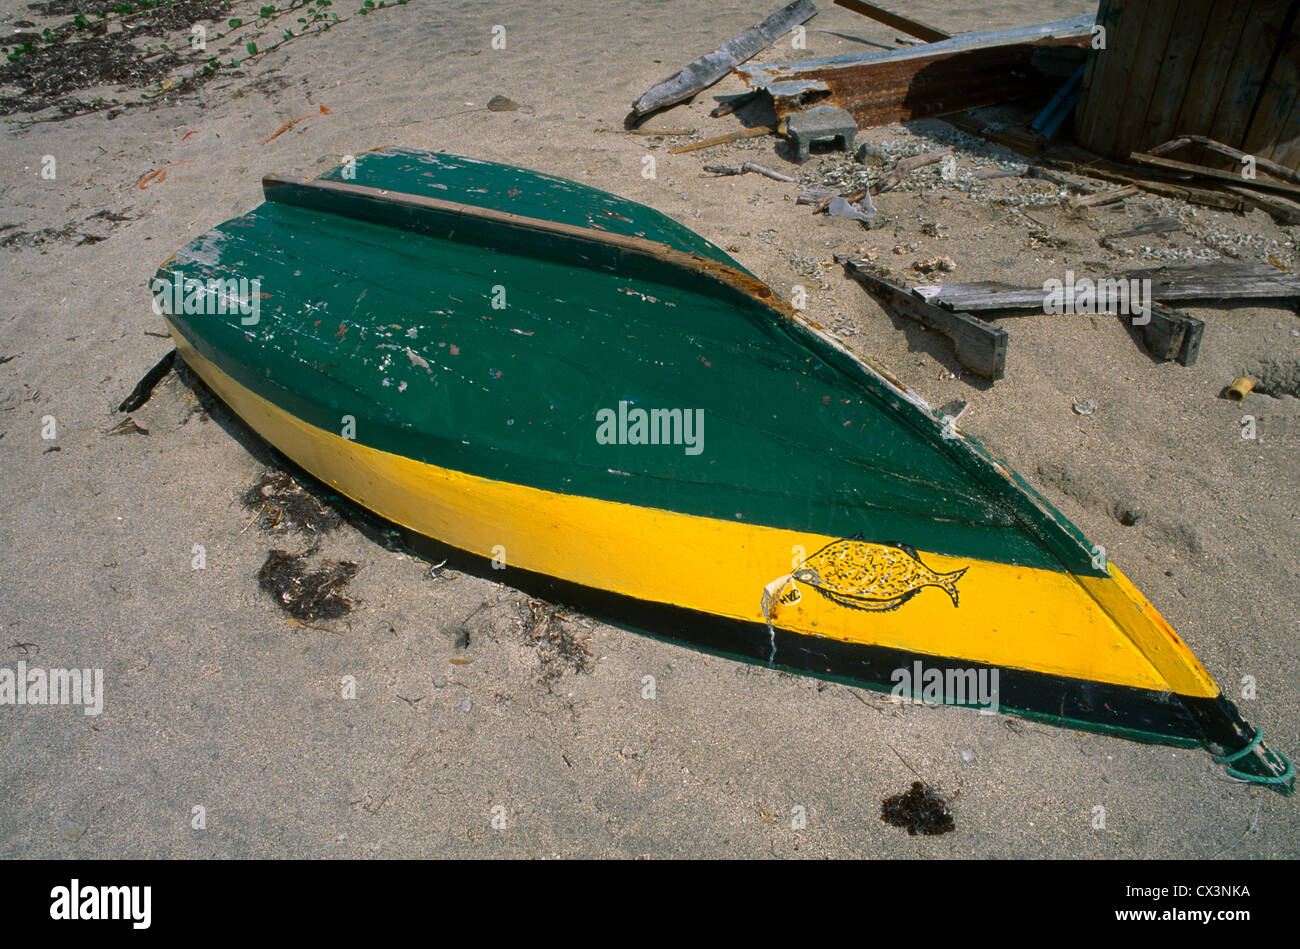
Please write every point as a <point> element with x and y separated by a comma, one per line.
<point>1227,69</point>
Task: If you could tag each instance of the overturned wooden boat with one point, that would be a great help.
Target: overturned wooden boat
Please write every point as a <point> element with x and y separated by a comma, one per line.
<point>559,379</point>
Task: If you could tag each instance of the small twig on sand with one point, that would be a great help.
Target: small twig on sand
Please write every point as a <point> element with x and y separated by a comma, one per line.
<point>724,139</point>
<point>665,132</point>
<point>748,166</point>
<point>905,764</point>
<point>253,519</point>
<point>303,625</point>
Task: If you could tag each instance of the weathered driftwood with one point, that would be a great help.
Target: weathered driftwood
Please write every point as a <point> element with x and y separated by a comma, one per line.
<point>707,70</point>
<point>1078,161</point>
<point>1160,225</point>
<point>1167,334</point>
<point>923,31</point>
<point>1272,167</point>
<point>877,88</point>
<point>1094,167</point>
<point>1206,282</point>
<point>1284,211</point>
<point>907,165</point>
<point>747,167</point>
<point>1103,197</point>
<point>1218,174</point>
<point>979,347</point>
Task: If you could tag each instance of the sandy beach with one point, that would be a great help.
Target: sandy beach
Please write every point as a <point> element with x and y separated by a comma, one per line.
<point>466,737</point>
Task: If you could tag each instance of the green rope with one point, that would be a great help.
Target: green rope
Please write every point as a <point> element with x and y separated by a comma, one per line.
<point>1251,745</point>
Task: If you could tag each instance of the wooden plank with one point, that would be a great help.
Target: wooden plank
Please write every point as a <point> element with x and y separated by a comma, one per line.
<point>978,346</point>
<point>1134,175</point>
<point>1175,71</point>
<point>1273,168</point>
<point>1210,68</point>
<point>1286,150</point>
<point>1018,141</point>
<point>1283,211</point>
<point>1163,334</point>
<point>1244,83</point>
<point>1149,63</point>
<point>1160,225</point>
<point>877,88</point>
<point>1103,197</point>
<point>1107,15</point>
<point>1105,101</point>
<point>707,70</point>
<point>1268,127</point>
<point>923,31</point>
<point>1208,282</point>
<point>1233,177</point>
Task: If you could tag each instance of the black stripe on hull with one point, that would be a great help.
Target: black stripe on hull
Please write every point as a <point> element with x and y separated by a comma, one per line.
<point>1137,714</point>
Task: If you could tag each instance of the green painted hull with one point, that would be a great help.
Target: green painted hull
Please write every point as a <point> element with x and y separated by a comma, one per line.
<point>388,317</point>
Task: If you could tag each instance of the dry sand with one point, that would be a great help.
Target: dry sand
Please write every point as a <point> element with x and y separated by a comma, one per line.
<point>215,700</point>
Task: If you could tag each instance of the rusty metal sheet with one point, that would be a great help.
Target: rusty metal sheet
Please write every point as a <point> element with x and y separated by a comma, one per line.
<point>965,72</point>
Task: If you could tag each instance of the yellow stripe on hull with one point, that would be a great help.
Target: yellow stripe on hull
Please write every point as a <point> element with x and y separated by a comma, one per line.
<point>1099,629</point>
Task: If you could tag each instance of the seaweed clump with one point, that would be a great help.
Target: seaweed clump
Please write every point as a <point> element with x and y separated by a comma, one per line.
<point>918,809</point>
<point>282,505</point>
<point>307,595</point>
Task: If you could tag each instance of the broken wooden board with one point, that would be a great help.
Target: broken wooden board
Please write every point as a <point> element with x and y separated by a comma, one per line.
<point>1283,210</point>
<point>707,70</point>
<point>1217,174</point>
<point>1173,335</point>
<point>964,72</point>
<point>979,347</point>
<point>1212,283</point>
<point>1078,161</point>
<point>1238,157</point>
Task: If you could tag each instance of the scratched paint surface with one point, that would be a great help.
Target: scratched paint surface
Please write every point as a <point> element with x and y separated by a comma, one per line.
<point>399,331</point>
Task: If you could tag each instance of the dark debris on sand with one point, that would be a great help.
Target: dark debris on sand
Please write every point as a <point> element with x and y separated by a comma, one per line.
<point>47,75</point>
<point>918,809</point>
<point>304,594</point>
<point>45,69</point>
<point>559,648</point>
<point>282,505</point>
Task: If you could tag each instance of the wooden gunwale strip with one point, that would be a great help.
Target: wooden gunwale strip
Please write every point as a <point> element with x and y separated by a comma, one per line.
<point>749,285</point>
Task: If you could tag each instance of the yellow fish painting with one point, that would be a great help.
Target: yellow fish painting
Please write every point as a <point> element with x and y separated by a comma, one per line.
<point>853,573</point>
